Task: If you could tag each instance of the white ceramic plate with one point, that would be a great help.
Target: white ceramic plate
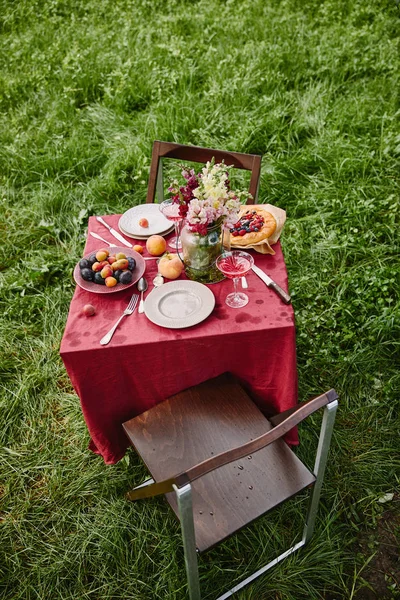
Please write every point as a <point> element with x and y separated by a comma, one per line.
<point>144,237</point>
<point>179,304</point>
<point>157,222</point>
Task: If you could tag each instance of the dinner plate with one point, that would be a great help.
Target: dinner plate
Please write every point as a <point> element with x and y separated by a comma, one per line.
<point>144,237</point>
<point>158,224</point>
<point>179,304</point>
<point>97,288</point>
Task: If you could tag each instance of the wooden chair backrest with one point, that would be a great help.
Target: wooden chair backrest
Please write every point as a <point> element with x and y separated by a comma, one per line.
<point>161,150</point>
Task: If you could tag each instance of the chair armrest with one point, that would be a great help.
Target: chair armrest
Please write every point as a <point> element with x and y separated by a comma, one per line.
<point>300,413</point>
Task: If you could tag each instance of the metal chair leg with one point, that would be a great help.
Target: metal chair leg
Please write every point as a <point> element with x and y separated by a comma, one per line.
<point>319,467</point>
<point>184,498</point>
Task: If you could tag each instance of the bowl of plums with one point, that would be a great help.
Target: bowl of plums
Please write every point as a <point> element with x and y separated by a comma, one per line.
<point>109,270</point>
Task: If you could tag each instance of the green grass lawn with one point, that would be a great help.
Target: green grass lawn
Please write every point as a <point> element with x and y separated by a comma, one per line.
<point>85,88</point>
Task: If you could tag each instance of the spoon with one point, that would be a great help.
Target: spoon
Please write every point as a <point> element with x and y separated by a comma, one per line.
<point>142,287</point>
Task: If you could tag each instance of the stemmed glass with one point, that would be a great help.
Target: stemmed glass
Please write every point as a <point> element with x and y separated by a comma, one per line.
<point>170,210</point>
<point>233,265</point>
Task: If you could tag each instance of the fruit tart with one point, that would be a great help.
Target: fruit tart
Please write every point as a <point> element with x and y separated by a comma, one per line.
<point>255,225</point>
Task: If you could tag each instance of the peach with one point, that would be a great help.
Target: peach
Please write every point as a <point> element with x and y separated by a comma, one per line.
<point>106,271</point>
<point>156,245</point>
<point>102,254</point>
<point>170,266</point>
<point>138,248</point>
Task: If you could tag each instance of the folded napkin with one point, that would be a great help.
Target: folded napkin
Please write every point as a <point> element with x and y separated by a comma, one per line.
<point>264,245</point>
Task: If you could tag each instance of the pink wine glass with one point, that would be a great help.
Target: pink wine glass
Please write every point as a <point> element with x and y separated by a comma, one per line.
<point>234,265</point>
<point>170,210</point>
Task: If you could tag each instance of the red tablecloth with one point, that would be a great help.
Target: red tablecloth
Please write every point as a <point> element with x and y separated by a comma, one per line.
<point>145,363</point>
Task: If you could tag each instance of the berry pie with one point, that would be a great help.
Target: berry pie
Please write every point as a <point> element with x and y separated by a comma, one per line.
<point>255,225</point>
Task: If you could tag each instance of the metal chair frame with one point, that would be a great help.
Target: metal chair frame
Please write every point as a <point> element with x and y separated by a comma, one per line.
<point>183,489</point>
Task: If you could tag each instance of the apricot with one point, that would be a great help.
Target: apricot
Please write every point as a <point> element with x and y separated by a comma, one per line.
<point>156,245</point>
<point>143,223</point>
<point>106,272</point>
<point>120,264</point>
<point>120,255</point>
<point>97,267</point>
<point>111,259</point>
<point>110,281</point>
<point>102,254</point>
<point>138,249</point>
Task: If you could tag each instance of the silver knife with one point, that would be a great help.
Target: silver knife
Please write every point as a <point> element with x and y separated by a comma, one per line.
<point>117,235</point>
<point>270,283</point>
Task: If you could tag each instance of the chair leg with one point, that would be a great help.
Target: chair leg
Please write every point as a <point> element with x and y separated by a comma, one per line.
<point>184,498</point>
<point>319,467</point>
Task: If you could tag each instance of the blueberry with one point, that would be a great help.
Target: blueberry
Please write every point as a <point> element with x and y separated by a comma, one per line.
<point>87,274</point>
<point>98,279</point>
<point>131,263</point>
<point>256,229</point>
<point>125,277</point>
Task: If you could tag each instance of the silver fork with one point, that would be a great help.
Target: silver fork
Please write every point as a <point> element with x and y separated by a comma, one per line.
<point>128,311</point>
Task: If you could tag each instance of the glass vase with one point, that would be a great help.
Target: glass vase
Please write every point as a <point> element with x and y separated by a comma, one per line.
<point>200,253</point>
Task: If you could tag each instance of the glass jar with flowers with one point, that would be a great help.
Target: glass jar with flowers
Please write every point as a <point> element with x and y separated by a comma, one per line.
<point>209,207</point>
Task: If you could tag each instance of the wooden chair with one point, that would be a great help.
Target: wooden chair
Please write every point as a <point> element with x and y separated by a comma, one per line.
<point>162,150</point>
<point>222,464</point>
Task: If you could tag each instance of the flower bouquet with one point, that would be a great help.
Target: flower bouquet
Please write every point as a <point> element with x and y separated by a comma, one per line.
<point>208,207</point>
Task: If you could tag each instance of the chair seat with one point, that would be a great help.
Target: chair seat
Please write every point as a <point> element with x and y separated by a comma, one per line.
<point>201,422</point>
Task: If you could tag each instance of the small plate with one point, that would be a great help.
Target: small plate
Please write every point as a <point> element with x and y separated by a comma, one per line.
<point>179,304</point>
<point>157,222</point>
<point>97,288</point>
<point>144,237</point>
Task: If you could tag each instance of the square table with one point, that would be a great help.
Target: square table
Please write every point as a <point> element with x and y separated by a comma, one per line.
<point>144,363</point>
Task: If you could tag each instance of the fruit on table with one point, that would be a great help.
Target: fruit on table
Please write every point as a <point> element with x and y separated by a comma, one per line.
<point>112,270</point>
<point>106,272</point>
<point>138,248</point>
<point>156,245</point>
<point>143,223</point>
<point>111,281</point>
<point>102,254</point>
<point>131,263</point>
<point>170,266</point>
<point>88,310</point>
<point>85,264</point>
<point>122,264</point>
<point>87,274</point>
<point>125,277</point>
